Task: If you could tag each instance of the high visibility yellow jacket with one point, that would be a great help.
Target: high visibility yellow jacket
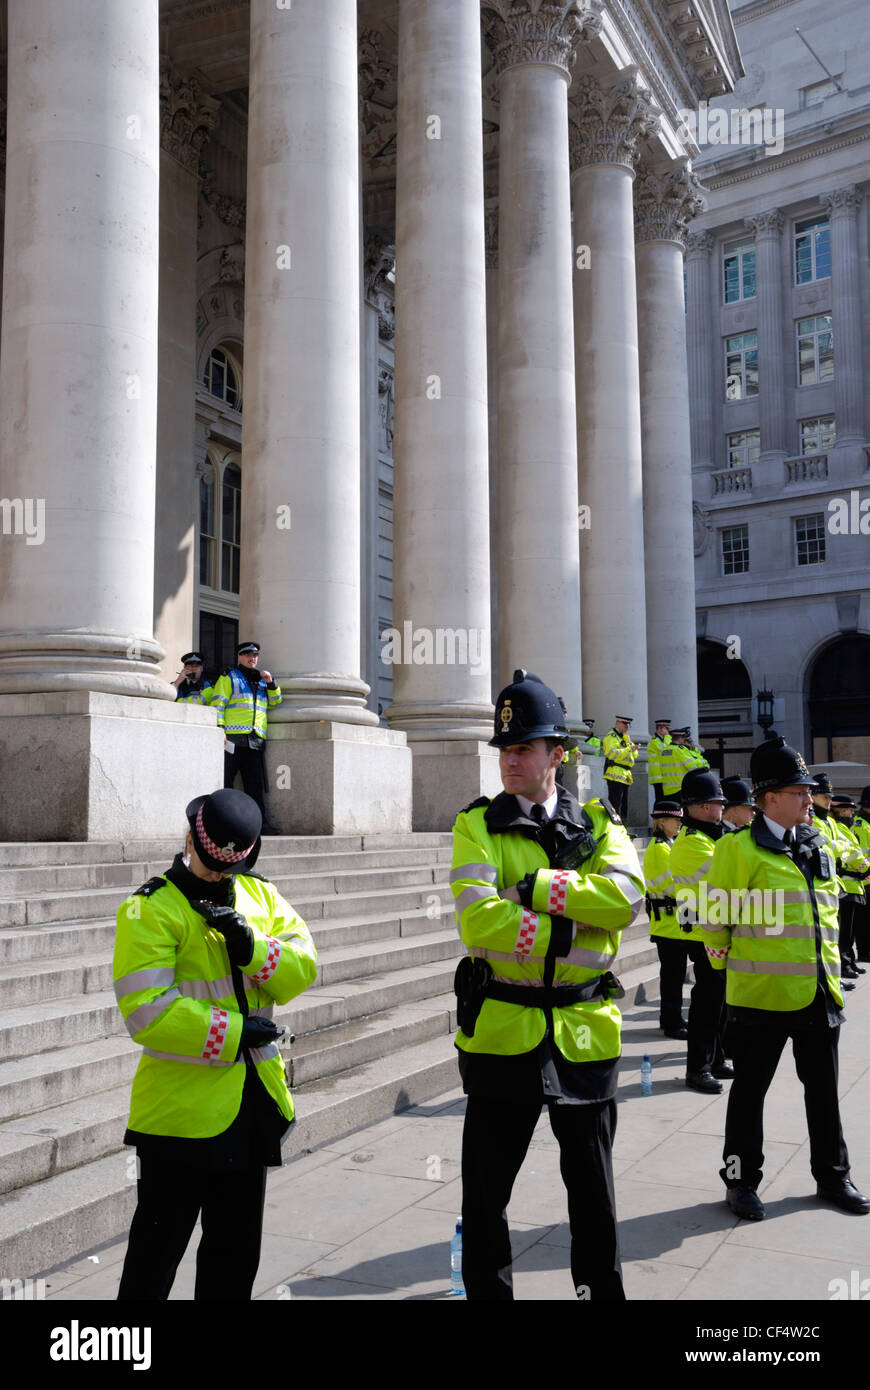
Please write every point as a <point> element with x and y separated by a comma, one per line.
<point>851,857</point>
<point>773,958</point>
<point>619,756</point>
<point>203,696</point>
<point>654,754</point>
<point>239,711</point>
<point>174,986</point>
<point>675,761</point>
<point>689,864</point>
<point>699,762</point>
<point>657,873</point>
<point>600,899</point>
<point>861,827</point>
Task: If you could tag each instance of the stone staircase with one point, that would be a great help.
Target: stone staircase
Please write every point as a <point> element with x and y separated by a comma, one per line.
<point>373,1034</point>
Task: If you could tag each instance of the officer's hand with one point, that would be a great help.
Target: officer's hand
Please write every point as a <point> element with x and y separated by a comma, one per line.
<point>179,678</point>
<point>233,928</point>
<point>267,676</point>
<point>258,1032</point>
<point>510,895</point>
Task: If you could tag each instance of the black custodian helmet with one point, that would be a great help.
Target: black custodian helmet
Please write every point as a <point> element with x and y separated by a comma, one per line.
<point>528,709</point>
<point>774,765</point>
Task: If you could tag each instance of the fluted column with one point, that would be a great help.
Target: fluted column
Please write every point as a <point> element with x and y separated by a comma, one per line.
<point>771,361</point>
<point>606,126</point>
<point>701,360</point>
<point>78,370</point>
<point>538,584</point>
<point>300,579</point>
<point>663,205</point>
<point>846,275</point>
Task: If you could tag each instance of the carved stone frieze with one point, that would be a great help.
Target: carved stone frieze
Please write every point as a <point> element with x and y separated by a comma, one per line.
<point>769,223</point>
<point>187,116</point>
<point>699,244</point>
<point>231,211</point>
<point>232,265</point>
<point>386,408</point>
<point>379,262</point>
<point>701,528</point>
<point>377,98</point>
<point>846,199</point>
<point>606,124</point>
<point>538,31</point>
<point>665,203</point>
<point>490,230</point>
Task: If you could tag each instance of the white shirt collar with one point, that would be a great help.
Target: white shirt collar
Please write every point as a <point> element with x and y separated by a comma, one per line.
<point>777,830</point>
<point>549,805</point>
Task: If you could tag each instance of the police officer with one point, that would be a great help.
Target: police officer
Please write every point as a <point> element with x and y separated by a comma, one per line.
<point>660,740</point>
<point>861,827</point>
<point>854,870</point>
<point>675,760</point>
<point>703,802</point>
<point>243,696</point>
<point>827,824</point>
<point>202,955</point>
<point>782,980</point>
<point>664,928</point>
<point>620,755</point>
<point>739,806</point>
<point>591,741</point>
<point>190,687</point>
<point>543,888</point>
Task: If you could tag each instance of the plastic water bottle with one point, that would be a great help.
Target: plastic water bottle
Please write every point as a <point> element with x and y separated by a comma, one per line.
<point>456,1284</point>
<point>646,1076</point>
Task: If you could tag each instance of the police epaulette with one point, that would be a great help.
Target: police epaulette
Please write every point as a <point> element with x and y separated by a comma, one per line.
<point>473,805</point>
<point>613,814</point>
<point>249,873</point>
<point>148,888</point>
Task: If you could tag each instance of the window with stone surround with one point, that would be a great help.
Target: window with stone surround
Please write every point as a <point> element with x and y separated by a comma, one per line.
<point>815,350</point>
<point>817,435</point>
<point>231,528</point>
<point>812,250</point>
<point>220,524</point>
<point>207,533</point>
<point>735,549</point>
<point>809,535</point>
<point>223,377</point>
<point>741,366</point>
<point>744,448</point>
<point>738,270</point>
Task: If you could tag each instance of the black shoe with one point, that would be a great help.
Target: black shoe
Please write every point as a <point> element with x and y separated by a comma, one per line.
<point>859,970</point>
<point>849,973</point>
<point>681,1032</point>
<point>846,1196</point>
<point>847,984</point>
<point>745,1202</point>
<point>724,1071</point>
<point>703,1081</point>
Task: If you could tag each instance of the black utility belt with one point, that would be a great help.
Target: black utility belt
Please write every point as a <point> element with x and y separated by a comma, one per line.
<point>605,986</point>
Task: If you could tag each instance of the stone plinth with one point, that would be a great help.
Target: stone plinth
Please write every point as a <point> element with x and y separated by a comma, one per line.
<point>327,778</point>
<point>448,775</point>
<point>84,765</point>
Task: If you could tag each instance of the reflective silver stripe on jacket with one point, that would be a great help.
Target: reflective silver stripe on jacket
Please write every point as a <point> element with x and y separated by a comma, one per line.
<point>589,960</point>
<point>659,879</point>
<point>263,1054</point>
<point>514,957</point>
<point>197,1061</point>
<point>146,1013</point>
<point>208,989</point>
<point>696,876</point>
<point>474,893</point>
<point>488,872</point>
<point>143,979</point>
<point>626,878</point>
<point>771,967</point>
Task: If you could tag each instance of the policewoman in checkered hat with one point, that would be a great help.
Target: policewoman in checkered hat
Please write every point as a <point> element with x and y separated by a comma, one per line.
<point>203,953</point>
<point>543,889</point>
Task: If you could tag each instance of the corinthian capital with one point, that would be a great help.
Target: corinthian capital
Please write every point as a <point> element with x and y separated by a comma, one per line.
<point>846,199</point>
<point>607,123</point>
<point>768,223</point>
<point>665,203</point>
<point>699,244</point>
<point>187,116</point>
<point>538,31</point>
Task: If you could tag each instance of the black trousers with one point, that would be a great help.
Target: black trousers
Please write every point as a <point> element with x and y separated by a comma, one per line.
<point>846,941</point>
<point>862,929</point>
<point>495,1141</point>
<point>755,1049</point>
<point>171,1197</point>
<point>617,795</point>
<point>673,958</point>
<point>248,761</point>
<point>704,1045</point>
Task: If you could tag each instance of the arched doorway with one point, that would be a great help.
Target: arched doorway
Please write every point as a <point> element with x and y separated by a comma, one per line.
<point>838,701</point>
<point>725,729</point>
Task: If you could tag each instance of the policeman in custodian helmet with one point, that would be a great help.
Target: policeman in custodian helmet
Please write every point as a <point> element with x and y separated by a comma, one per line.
<point>543,888</point>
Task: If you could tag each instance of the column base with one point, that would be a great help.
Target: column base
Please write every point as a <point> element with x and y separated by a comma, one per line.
<point>85,765</point>
<point>448,774</point>
<point>338,779</point>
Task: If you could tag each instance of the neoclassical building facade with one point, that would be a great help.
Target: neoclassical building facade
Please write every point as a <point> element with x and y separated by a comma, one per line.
<point>358,329</point>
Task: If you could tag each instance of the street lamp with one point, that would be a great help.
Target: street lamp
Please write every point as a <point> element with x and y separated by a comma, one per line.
<point>765,711</point>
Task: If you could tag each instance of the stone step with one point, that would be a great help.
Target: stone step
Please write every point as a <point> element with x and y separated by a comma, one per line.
<point>41,1081</point>
<point>37,943</point>
<point>65,1215</point>
<point>347,1046</point>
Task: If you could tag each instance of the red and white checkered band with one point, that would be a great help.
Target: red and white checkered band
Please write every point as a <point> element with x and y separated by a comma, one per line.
<point>716,952</point>
<point>557,897</point>
<point>272,959</point>
<point>217,1032</point>
<point>226,856</point>
<point>528,932</point>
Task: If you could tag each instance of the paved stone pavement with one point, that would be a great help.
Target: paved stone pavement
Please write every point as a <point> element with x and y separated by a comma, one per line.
<point>371,1216</point>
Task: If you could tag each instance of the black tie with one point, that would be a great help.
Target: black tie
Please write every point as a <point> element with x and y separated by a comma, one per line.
<point>788,840</point>
<point>538,814</point>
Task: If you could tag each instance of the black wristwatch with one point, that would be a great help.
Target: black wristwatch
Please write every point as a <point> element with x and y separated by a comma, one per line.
<point>526,887</point>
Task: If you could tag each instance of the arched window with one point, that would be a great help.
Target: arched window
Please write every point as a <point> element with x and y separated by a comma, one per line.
<point>223,377</point>
<point>838,706</point>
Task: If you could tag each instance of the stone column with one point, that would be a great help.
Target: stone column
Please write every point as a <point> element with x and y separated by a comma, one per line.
<point>701,353</point>
<point>300,580</point>
<point>606,126</point>
<point>78,410</point>
<point>491,228</point>
<point>187,116</point>
<point>767,227</point>
<point>663,204</point>
<point>538,581</point>
<point>441,672</point>
<point>846,275</point>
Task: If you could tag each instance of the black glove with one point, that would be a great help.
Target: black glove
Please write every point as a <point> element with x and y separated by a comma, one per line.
<point>257,1032</point>
<point>234,930</point>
